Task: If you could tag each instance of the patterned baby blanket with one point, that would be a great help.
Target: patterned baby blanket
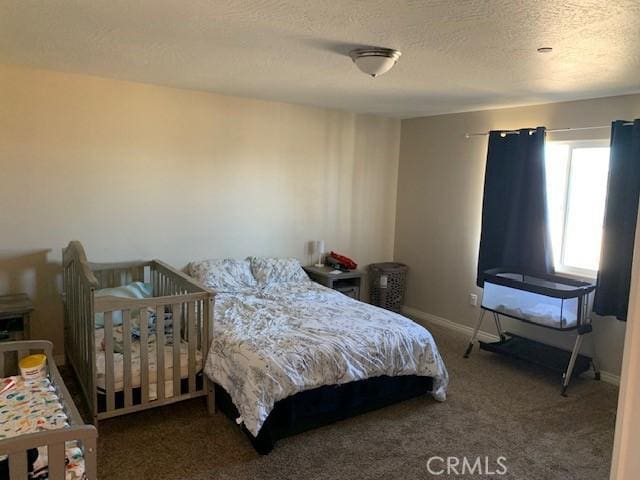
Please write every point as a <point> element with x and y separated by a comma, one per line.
<point>34,406</point>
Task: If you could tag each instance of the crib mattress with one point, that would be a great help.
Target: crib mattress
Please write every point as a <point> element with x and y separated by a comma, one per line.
<point>118,367</point>
<point>33,407</point>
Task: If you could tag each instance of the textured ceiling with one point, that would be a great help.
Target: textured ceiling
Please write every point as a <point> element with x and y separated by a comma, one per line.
<point>457,54</point>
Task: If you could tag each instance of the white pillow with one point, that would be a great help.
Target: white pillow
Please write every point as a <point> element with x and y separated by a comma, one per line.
<point>223,274</point>
<point>277,270</point>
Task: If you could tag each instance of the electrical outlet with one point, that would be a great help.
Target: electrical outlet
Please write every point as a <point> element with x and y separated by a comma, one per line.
<point>473,299</point>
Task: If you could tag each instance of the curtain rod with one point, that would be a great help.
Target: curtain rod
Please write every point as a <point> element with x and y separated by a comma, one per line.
<point>552,130</point>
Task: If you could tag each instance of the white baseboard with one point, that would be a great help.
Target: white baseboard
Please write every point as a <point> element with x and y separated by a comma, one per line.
<point>444,322</point>
<point>611,378</point>
<point>429,318</point>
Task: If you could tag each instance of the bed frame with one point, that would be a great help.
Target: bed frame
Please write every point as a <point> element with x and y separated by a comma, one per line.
<point>325,405</point>
<point>17,447</point>
<point>192,309</point>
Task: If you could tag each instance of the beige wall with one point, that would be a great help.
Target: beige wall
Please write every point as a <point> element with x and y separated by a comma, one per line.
<point>137,171</point>
<point>439,205</point>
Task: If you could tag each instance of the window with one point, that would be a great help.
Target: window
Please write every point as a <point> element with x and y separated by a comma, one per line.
<point>577,175</point>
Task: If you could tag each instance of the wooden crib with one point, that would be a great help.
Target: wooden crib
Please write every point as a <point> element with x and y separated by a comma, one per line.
<point>17,447</point>
<point>189,310</point>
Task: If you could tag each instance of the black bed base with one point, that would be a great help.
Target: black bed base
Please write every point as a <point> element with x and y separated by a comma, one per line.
<point>324,405</point>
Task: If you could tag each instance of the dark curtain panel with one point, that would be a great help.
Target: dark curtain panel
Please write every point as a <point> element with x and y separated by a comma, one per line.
<point>619,228</point>
<point>515,230</point>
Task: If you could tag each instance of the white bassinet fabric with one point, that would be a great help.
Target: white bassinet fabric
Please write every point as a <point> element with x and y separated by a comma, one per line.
<point>533,307</point>
<point>541,314</point>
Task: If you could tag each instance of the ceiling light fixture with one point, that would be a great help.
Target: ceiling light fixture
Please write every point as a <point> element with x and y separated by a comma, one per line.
<point>375,61</point>
<point>545,50</point>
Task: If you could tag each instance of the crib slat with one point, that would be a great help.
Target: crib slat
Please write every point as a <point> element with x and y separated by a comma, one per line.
<point>160,351</point>
<point>80,334</point>
<point>177,317</point>
<point>18,465</point>
<point>192,346</point>
<point>88,349</point>
<point>79,330</point>
<point>108,360</point>
<point>208,335</point>
<point>126,357</point>
<point>199,323</point>
<point>56,461</point>
<point>144,354</point>
<point>75,305</point>
<point>204,346</point>
<point>90,467</point>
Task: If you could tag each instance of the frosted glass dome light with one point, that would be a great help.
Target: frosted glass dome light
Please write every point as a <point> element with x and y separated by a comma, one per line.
<point>375,61</point>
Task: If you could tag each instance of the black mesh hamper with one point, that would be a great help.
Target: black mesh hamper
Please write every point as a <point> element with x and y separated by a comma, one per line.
<point>387,283</point>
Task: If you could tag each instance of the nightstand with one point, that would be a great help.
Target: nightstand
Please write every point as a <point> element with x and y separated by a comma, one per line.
<point>348,282</point>
<point>15,317</point>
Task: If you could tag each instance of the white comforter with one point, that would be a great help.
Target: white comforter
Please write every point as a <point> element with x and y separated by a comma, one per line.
<point>272,343</point>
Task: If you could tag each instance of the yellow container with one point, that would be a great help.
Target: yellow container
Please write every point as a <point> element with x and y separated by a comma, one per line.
<point>33,367</point>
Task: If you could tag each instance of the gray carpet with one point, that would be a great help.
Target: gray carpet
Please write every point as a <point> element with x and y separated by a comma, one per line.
<point>495,408</point>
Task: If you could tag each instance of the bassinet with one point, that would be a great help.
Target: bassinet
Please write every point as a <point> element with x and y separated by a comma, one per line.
<point>545,300</point>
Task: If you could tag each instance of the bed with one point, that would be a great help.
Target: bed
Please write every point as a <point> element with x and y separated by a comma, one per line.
<point>41,433</point>
<point>289,354</point>
<point>127,325</point>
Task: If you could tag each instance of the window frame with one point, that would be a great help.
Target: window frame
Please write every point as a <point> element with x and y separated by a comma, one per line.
<point>561,267</point>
